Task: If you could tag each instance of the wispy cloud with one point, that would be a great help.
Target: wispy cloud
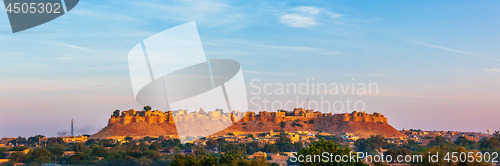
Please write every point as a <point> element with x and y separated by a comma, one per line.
<point>452,50</point>
<point>443,48</point>
<point>69,45</point>
<point>213,13</point>
<point>294,20</point>
<point>308,9</point>
<point>222,42</point>
<point>305,16</point>
<point>492,70</point>
<point>72,46</point>
<point>333,14</point>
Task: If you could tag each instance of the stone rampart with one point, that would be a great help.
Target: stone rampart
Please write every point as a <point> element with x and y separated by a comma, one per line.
<point>179,116</point>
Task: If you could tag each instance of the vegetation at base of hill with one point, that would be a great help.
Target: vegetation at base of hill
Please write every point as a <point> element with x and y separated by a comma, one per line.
<point>371,144</point>
<point>1,152</point>
<point>322,146</point>
<point>155,151</point>
<point>145,152</point>
<point>228,159</point>
<point>334,138</point>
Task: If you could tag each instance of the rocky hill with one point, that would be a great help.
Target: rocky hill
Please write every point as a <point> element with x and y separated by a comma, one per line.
<point>181,123</point>
<point>360,129</point>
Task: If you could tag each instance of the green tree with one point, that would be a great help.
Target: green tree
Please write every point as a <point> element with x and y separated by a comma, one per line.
<point>116,113</point>
<point>185,160</point>
<point>270,148</point>
<point>234,148</point>
<point>412,145</point>
<point>282,124</point>
<point>143,146</point>
<point>18,148</point>
<point>469,144</point>
<point>211,143</point>
<point>98,151</point>
<point>438,140</point>
<point>128,138</point>
<point>107,142</point>
<point>40,155</point>
<point>370,144</point>
<point>283,139</point>
<point>79,147</point>
<point>18,157</point>
<point>394,153</point>
<point>52,141</point>
<point>77,158</point>
<point>56,149</point>
<point>147,108</point>
<point>317,148</point>
<point>490,144</point>
<point>133,147</point>
<point>91,142</point>
<point>35,139</point>
<point>148,139</point>
<point>155,146</point>
<point>150,154</point>
<point>1,152</point>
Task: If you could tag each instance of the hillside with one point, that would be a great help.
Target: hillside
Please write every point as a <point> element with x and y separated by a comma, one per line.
<point>360,129</point>
<point>206,127</point>
<point>136,130</point>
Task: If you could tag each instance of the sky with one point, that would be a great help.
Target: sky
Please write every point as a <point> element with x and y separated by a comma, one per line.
<point>436,63</point>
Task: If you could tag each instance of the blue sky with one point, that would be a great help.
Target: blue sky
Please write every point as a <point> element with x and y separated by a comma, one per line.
<point>437,62</point>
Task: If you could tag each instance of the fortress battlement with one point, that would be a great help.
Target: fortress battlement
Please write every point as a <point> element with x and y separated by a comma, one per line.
<point>159,117</point>
<point>277,117</point>
<point>302,114</point>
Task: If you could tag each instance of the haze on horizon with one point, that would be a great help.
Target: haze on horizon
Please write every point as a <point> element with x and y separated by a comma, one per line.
<point>436,63</point>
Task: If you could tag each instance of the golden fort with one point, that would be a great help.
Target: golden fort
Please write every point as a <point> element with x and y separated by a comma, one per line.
<point>150,117</point>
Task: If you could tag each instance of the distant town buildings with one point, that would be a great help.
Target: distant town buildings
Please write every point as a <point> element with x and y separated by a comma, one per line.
<point>425,137</point>
<point>74,139</point>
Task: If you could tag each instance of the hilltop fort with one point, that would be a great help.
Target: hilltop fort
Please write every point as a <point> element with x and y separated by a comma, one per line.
<point>201,123</point>
<point>298,114</point>
<point>150,117</point>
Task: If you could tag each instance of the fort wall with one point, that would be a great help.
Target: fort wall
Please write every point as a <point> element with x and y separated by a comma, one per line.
<point>159,117</point>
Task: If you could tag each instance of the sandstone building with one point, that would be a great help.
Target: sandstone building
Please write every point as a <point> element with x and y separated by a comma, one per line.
<point>180,116</point>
